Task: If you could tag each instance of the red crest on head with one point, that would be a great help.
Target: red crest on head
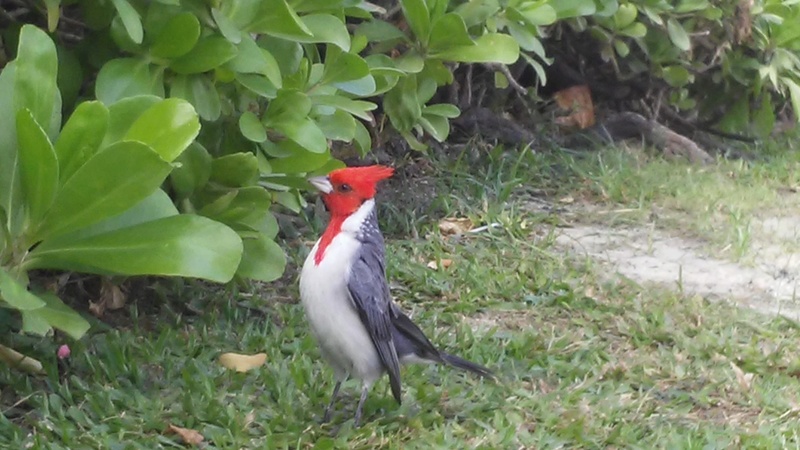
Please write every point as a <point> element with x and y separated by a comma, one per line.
<point>362,180</point>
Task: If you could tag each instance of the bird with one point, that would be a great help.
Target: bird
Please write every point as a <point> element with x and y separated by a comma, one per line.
<point>361,332</point>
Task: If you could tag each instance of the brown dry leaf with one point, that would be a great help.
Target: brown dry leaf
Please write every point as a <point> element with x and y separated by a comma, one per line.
<point>455,225</point>
<point>97,308</point>
<point>187,435</point>
<point>242,363</point>
<point>112,295</point>
<point>443,263</point>
<point>745,380</point>
<point>577,101</point>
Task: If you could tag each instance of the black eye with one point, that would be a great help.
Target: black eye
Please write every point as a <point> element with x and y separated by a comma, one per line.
<point>345,188</point>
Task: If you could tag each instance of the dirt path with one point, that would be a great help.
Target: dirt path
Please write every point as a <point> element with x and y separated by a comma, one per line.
<point>769,283</point>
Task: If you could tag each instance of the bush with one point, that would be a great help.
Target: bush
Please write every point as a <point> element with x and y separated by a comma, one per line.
<point>86,197</point>
<point>274,82</point>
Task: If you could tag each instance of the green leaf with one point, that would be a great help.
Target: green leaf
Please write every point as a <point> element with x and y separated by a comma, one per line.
<point>326,28</point>
<point>573,8</point>
<point>379,31</point>
<point>70,77</point>
<point>32,323</point>
<point>339,126</point>
<point>121,38</point>
<point>357,108</point>
<point>81,137</point>
<point>35,86</point>
<point>262,260</point>
<point>361,87</point>
<point>200,91</point>
<point>277,18</point>
<point>635,30</point>
<point>156,206</point>
<point>289,200</point>
<point>621,48</point>
<point>524,34</point>
<point>183,245</point>
<point>110,182</point>
<point>288,114</point>
<point>625,15</point>
<point>10,185</point>
<point>244,209</point>
<point>362,140</point>
<point>168,127</point>
<point>436,126</point>
<point>449,31</point>
<point>443,109</point>
<point>794,94</point>
<point>300,161</point>
<point>38,166</point>
<point>402,104</point>
<point>235,170</point>
<point>193,171</point>
<point>178,36</point>
<point>257,84</point>
<point>539,14</point>
<point>678,35</point>
<point>123,113</point>
<point>676,76</point>
<point>57,315</point>
<point>411,62</point>
<point>251,127</point>
<point>53,14</point>
<point>16,294</point>
<point>209,53</point>
<point>128,77</point>
<point>491,47</point>
<point>226,26</point>
<point>418,18</point>
<point>344,67</point>
<point>251,58</point>
<point>131,20</point>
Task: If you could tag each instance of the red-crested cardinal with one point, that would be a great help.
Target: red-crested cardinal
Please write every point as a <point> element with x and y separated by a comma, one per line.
<point>361,332</point>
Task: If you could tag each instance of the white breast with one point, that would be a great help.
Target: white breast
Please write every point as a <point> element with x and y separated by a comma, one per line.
<point>343,339</point>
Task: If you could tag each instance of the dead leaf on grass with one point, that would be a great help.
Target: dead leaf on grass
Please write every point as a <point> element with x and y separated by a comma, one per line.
<point>443,263</point>
<point>242,363</point>
<point>187,435</point>
<point>455,225</point>
<point>745,380</point>
<point>112,297</point>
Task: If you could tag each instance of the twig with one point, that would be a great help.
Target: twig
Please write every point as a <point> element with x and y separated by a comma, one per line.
<point>511,80</point>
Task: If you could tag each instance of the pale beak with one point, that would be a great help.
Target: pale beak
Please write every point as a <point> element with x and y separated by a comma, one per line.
<point>322,184</point>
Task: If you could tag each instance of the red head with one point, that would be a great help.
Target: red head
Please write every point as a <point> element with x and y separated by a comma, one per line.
<point>345,190</point>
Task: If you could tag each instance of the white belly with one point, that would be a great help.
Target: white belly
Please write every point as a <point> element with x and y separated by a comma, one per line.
<point>334,321</point>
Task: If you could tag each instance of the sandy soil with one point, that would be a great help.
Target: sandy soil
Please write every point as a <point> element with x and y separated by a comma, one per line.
<point>768,282</point>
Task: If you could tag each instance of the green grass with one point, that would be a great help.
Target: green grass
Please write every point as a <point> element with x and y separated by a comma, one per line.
<point>584,360</point>
<point>717,203</point>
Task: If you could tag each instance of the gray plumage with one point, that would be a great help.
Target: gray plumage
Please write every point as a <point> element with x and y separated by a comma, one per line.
<point>361,331</point>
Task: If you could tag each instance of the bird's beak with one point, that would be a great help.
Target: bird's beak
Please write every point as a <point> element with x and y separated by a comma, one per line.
<point>322,184</point>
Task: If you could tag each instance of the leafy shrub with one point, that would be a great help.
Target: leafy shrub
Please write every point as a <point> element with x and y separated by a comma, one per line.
<point>86,197</point>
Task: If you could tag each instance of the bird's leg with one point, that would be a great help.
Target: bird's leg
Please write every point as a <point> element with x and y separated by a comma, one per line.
<point>364,392</point>
<point>329,409</point>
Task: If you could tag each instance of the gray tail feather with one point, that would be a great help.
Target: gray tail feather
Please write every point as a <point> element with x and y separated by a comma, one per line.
<point>469,366</point>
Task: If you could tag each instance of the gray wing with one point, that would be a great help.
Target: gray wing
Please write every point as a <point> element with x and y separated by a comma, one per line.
<point>371,297</point>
